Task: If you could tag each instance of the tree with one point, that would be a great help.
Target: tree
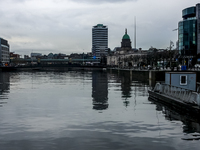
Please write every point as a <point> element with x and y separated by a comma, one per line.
<point>152,56</point>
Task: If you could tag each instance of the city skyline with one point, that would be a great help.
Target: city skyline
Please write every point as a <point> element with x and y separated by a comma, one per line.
<point>60,26</point>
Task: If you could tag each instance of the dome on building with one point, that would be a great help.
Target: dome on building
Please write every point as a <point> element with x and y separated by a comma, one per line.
<point>126,36</point>
<point>126,42</point>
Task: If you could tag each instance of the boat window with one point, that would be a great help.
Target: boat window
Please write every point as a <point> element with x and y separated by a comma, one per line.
<point>183,80</point>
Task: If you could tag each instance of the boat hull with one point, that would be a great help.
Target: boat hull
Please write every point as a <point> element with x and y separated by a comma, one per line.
<point>174,103</point>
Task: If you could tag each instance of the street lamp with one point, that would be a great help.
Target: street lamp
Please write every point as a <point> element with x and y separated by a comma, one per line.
<point>83,56</point>
<point>170,47</point>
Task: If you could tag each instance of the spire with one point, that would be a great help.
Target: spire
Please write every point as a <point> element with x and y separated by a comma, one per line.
<point>126,31</point>
<point>135,34</point>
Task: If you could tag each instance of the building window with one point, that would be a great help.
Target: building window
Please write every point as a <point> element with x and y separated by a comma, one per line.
<point>183,80</point>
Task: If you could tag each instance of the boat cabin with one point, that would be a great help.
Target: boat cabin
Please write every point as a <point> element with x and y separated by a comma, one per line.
<point>185,80</point>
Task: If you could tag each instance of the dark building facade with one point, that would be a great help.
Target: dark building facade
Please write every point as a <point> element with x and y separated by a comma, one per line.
<point>4,51</point>
<point>189,32</point>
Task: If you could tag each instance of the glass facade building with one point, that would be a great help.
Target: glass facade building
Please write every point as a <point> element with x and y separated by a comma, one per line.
<point>99,40</point>
<point>4,51</point>
<point>187,32</point>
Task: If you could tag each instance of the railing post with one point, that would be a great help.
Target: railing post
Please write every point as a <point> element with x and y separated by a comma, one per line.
<point>184,95</point>
<point>160,89</point>
<point>198,100</point>
<point>176,92</point>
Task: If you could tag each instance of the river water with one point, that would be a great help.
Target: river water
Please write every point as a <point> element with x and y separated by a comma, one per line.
<point>87,110</point>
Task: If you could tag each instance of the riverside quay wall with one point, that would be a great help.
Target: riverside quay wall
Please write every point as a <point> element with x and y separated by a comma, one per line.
<point>151,75</point>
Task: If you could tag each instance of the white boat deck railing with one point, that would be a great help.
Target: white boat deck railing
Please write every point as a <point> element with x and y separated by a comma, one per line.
<point>198,87</point>
<point>181,94</point>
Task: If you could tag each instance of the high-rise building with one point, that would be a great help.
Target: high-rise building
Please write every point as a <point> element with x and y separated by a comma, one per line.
<point>99,40</point>
<point>4,51</point>
<point>189,32</point>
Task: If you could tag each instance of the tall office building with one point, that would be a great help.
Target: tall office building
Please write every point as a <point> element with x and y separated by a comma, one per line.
<point>4,51</point>
<point>189,32</point>
<point>99,40</point>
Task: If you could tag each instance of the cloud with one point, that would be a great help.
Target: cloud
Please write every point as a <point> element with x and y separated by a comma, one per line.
<point>66,25</point>
<point>102,1</point>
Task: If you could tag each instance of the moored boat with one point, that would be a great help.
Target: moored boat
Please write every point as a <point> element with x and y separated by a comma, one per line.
<point>180,91</point>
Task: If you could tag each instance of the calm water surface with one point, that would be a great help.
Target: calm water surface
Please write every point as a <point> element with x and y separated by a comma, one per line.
<point>78,110</point>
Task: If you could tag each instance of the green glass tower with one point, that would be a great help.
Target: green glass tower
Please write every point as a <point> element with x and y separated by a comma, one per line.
<point>189,33</point>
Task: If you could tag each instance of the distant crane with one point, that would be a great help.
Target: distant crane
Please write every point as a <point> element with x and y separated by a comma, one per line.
<point>175,29</point>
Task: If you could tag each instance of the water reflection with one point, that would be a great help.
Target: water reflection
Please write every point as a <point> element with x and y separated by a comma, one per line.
<point>191,124</point>
<point>126,89</point>
<point>132,85</point>
<point>100,90</point>
<point>52,111</point>
<point>4,87</point>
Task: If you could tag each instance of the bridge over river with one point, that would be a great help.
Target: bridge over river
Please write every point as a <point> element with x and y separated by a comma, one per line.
<point>55,61</point>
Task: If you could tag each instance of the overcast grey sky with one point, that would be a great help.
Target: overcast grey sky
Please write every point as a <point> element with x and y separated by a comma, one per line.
<point>65,26</point>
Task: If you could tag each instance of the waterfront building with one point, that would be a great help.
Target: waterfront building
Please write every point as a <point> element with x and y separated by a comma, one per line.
<point>125,56</point>
<point>26,57</point>
<point>99,41</point>
<point>126,42</point>
<point>129,59</point>
<point>36,55</point>
<point>4,51</point>
<point>125,45</point>
<point>14,56</point>
<point>189,32</point>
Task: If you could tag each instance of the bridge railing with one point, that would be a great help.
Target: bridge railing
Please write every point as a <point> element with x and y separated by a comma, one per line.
<point>181,94</point>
